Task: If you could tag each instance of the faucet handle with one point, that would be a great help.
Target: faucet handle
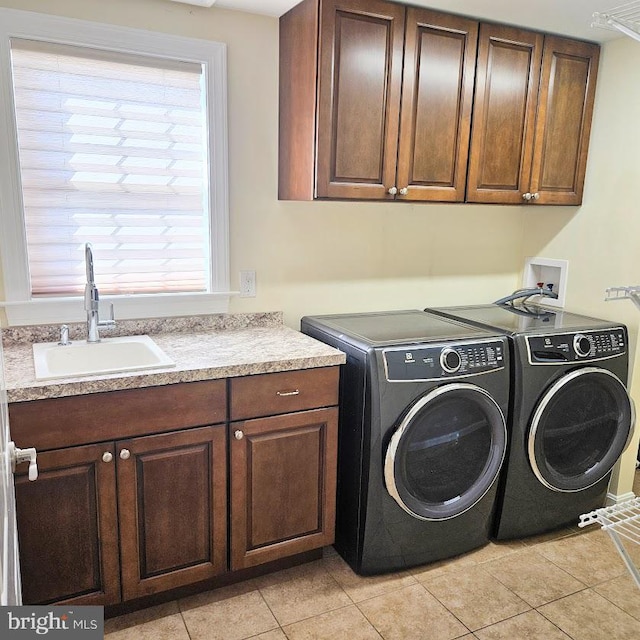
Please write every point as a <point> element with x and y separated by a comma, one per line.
<point>110,323</point>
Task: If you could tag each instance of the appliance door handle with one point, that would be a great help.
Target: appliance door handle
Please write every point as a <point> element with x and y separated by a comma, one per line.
<point>18,456</point>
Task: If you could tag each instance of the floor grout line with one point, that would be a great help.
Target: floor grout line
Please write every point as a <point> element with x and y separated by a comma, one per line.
<point>184,622</point>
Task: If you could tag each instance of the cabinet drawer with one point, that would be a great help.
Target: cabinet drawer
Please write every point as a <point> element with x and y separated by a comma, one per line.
<point>273,393</point>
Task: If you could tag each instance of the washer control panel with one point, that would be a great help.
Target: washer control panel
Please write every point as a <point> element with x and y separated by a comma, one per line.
<point>451,360</point>
<point>576,347</point>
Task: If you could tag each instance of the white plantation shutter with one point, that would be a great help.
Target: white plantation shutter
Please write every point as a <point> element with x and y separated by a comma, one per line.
<point>112,151</point>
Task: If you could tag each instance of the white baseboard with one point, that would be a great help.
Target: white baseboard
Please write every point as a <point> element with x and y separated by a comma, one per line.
<point>617,498</point>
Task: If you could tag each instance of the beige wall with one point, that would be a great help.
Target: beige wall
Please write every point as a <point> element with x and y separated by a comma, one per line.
<point>327,257</point>
<point>320,257</point>
<point>601,239</point>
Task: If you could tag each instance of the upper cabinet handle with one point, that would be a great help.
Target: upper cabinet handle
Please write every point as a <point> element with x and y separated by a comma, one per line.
<point>282,394</point>
<point>393,191</point>
<point>535,196</point>
<point>526,196</point>
<point>404,191</point>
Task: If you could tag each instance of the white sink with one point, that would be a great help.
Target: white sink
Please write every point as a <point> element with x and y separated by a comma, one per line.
<point>110,355</point>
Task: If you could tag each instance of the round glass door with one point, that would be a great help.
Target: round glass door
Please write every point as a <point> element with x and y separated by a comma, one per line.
<point>446,452</point>
<point>579,429</point>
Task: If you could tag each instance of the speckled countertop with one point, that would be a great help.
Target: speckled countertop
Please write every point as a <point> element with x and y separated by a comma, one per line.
<point>203,348</point>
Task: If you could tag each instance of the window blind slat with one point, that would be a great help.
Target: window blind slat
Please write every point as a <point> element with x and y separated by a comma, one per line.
<point>112,152</point>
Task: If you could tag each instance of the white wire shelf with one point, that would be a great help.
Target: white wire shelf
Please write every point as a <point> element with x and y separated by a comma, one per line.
<point>624,18</point>
<point>619,521</point>
<point>623,293</point>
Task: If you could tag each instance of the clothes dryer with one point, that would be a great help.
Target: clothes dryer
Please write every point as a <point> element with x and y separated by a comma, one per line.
<point>571,416</point>
<point>422,435</point>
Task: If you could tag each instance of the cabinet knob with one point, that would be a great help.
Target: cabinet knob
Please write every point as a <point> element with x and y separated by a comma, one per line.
<point>526,196</point>
<point>107,456</point>
<point>238,434</point>
<point>125,454</point>
<point>404,191</point>
<point>392,191</point>
<point>535,196</point>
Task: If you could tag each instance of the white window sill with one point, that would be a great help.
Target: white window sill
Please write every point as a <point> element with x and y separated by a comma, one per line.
<point>58,310</point>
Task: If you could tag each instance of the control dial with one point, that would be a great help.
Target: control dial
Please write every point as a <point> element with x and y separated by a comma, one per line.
<point>450,360</point>
<point>582,345</point>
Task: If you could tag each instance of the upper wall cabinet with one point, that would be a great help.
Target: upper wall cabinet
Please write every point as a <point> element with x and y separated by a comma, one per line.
<point>532,117</point>
<point>375,101</point>
<point>565,108</point>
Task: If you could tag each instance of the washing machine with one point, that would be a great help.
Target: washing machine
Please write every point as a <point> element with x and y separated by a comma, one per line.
<point>422,435</point>
<point>571,416</point>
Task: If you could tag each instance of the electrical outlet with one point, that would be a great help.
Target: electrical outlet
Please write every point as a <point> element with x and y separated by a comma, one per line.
<point>247,284</point>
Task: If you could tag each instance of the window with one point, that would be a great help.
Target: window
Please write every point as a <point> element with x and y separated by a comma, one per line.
<point>124,148</point>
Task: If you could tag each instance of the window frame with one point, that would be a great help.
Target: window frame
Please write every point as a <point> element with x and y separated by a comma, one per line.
<point>20,307</point>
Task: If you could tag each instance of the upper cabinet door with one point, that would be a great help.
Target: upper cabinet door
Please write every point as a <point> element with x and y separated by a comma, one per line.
<point>437,95</point>
<point>360,78</point>
<point>565,107</point>
<point>507,80</point>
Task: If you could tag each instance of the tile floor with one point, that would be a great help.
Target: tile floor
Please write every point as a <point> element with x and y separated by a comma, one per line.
<point>570,585</point>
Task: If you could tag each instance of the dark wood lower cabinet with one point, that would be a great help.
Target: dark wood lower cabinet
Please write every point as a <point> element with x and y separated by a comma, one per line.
<point>68,528</point>
<point>135,516</point>
<point>172,499</point>
<point>283,481</point>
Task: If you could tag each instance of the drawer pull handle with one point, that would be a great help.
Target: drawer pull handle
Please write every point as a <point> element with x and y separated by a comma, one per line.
<point>284,394</point>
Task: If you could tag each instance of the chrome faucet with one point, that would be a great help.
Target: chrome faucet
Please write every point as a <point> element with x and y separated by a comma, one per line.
<point>92,301</point>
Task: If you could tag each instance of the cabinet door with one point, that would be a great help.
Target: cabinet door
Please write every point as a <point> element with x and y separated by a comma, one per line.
<point>172,507</point>
<point>68,529</point>
<point>283,484</point>
<point>565,108</point>
<point>360,78</point>
<point>507,80</point>
<point>437,94</point>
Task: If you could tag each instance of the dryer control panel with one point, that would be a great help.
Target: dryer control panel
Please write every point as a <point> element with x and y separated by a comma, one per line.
<point>582,346</point>
<point>451,360</point>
